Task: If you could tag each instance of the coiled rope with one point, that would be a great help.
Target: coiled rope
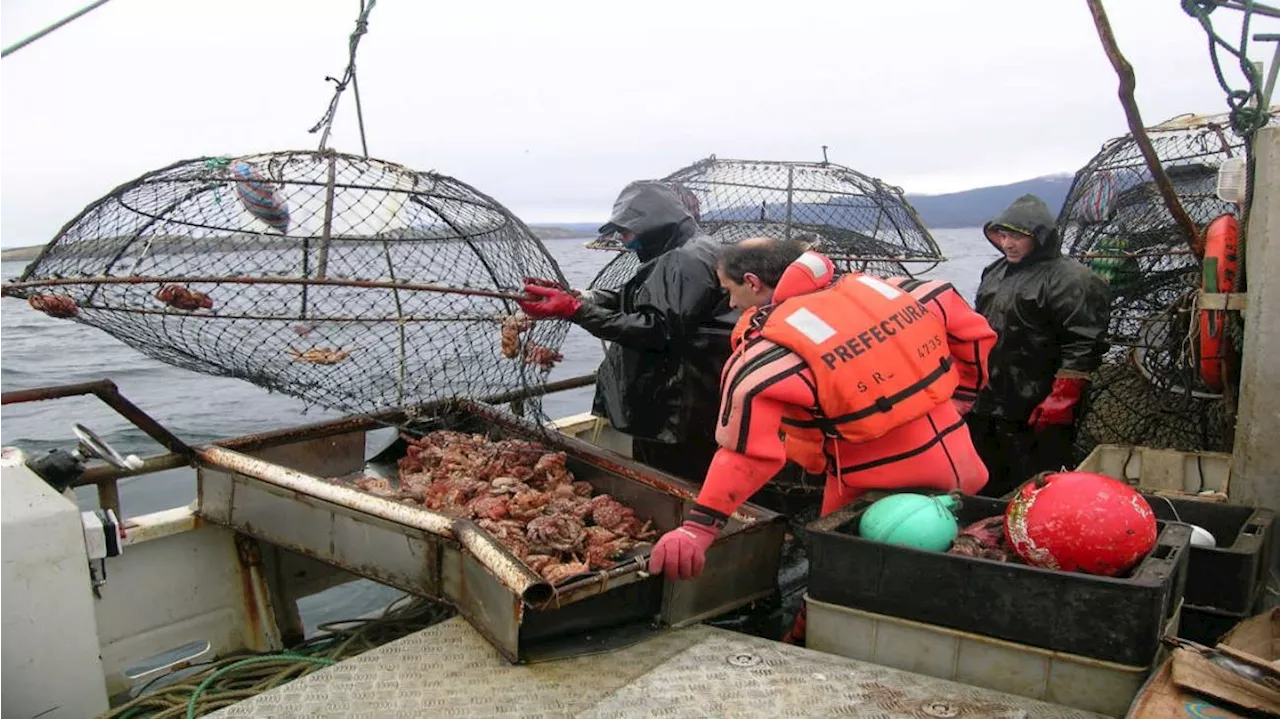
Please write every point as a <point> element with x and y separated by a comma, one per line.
<point>225,681</point>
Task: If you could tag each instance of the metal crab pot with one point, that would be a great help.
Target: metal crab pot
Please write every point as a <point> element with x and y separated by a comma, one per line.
<point>277,494</point>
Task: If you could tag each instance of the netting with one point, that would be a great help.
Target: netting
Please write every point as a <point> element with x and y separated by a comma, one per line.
<point>858,221</point>
<point>348,282</point>
<point>1115,221</point>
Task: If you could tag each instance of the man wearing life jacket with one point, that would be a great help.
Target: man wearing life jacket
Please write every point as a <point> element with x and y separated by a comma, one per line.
<point>850,376</point>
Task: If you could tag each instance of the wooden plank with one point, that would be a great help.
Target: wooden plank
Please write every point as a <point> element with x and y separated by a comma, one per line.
<point>1195,673</point>
<point>1235,301</point>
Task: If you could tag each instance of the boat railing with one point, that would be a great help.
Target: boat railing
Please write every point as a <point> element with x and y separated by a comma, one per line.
<point>181,454</point>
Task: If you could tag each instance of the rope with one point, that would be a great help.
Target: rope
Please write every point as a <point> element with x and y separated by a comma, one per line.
<point>195,696</point>
<point>79,13</point>
<point>228,680</point>
<point>326,122</point>
<point>1245,119</point>
<point>1248,114</point>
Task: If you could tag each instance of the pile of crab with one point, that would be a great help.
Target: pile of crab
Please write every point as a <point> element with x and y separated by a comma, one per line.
<point>523,495</point>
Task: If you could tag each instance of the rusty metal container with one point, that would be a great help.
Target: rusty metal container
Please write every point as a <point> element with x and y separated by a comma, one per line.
<point>279,494</point>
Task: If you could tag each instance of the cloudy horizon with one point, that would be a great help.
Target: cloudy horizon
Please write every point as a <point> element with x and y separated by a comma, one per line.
<point>551,108</point>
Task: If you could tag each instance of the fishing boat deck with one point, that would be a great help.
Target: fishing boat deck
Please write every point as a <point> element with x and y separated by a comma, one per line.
<point>450,670</point>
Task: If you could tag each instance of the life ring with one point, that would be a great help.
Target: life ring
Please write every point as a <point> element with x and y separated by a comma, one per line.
<point>1218,274</point>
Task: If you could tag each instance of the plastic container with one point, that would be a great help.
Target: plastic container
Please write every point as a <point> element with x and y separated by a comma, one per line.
<point>1222,582</point>
<point>1075,681</point>
<point>1115,619</point>
<point>1207,625</point>
<point>1202,475</point>
<point>1225,578</point>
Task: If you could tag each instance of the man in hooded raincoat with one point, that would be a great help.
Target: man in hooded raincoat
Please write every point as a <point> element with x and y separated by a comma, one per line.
<point>669,329</point>
<point>1050,314</point>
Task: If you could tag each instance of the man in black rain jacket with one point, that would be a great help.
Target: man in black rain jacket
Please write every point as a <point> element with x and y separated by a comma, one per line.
<point>669,329</point>
<point>1050,314</point>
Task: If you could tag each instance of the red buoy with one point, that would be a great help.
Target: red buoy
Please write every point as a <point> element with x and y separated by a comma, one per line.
<point>1080,522</point>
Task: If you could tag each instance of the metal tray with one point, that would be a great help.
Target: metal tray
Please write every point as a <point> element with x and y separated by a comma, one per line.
<point>278,494</point>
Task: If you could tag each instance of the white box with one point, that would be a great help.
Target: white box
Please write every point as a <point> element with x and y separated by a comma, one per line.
<point>1056,677</point>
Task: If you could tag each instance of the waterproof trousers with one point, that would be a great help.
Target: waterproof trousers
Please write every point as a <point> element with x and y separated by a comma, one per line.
<point>1014,452</point>
<point>687,460</point>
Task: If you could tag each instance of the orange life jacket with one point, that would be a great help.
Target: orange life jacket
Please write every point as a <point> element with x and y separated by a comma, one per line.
<point>741,326</point>
<point>878,357</point>
<point>969,335</point>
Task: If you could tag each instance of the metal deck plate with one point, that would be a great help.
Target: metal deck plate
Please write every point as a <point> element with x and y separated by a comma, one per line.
<point>450,670</point>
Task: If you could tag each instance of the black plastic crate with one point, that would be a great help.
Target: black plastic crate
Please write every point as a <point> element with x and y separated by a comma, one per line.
<point>1116,619</point>
<point>1225,578</point>
<point>1207,625</point>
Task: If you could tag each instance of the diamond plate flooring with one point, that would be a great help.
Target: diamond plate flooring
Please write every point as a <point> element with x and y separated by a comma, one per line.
<point>450,670</point>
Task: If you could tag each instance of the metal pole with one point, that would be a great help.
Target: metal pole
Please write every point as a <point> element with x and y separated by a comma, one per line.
<point>23,43</point>
<point>790,186</point>
<point>106,391</point>
<point>322,266</point>
<point>215,279</point>
<point>1258,8</point>
<point>329,428</point>
<point>1275,65</point>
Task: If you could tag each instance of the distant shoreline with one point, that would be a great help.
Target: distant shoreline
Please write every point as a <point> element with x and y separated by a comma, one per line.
<point>543,232</point>
<point>552,232</point>
<point>27,254</point>
<point>20,254</point>
<point>948,211</point>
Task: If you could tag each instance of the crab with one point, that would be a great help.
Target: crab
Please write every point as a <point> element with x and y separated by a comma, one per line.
<point>320,355</point>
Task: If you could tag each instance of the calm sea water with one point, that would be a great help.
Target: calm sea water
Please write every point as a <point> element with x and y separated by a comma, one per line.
<point>37,350</point>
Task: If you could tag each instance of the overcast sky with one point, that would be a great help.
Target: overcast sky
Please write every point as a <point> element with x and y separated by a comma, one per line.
<point>553,106</point>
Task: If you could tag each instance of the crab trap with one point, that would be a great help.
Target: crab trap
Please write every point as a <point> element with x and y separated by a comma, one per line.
<point>351,283</point>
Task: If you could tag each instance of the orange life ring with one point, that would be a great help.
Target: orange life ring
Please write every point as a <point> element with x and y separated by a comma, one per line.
<point>1221,263</point>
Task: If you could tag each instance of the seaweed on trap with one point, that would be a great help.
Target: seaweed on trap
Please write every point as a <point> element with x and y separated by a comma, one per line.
<point>348,282</point>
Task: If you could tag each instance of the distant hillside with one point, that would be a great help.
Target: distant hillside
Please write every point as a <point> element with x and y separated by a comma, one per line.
<point>969,208</point>
<point>973,208</point>
<point>20,254</point>
<point>565,229</point>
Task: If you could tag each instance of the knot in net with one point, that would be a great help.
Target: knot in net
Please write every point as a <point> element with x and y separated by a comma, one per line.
<point>861,223</point>
<point>1150,390</point>
<point>348,282</point>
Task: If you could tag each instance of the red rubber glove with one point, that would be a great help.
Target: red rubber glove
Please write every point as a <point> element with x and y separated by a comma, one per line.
<point>682,552</point>
<point>1059,408</point>
<point>546,302</point>
<point>541,282</point>
<point>553,284</point>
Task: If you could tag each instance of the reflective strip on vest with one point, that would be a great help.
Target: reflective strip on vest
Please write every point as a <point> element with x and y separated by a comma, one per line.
<point>813,262</point>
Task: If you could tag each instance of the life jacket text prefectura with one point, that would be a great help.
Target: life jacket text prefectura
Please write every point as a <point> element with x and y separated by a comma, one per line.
<point>880,359</point>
